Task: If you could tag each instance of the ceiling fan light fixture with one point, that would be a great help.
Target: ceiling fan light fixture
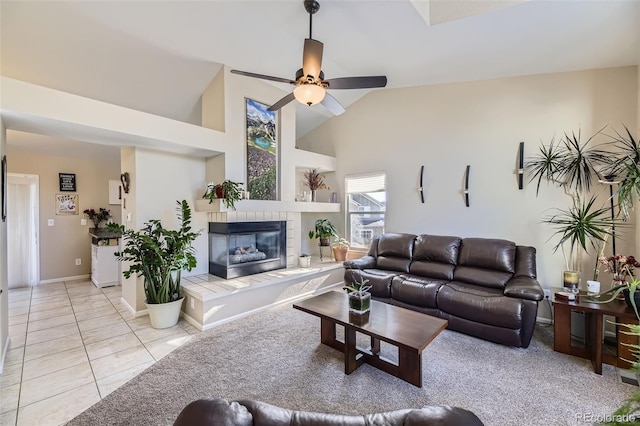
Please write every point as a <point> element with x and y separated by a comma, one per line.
<point>309,94</point>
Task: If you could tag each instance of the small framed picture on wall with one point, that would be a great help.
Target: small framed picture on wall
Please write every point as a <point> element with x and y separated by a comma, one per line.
<point>66,204</point>
<point>67,182</point>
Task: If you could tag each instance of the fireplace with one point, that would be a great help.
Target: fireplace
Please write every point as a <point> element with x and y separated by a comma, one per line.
<point>237,249</point>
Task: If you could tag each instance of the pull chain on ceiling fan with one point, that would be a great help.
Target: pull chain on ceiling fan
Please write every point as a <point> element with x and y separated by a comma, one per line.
<point>309,80</point>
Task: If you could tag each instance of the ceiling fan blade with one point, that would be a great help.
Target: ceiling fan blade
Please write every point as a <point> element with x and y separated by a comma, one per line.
<point>357,82</point>
<point>312,57</point>
<point>332,104</point>
<point>282,102</point>
<point>264,77</point>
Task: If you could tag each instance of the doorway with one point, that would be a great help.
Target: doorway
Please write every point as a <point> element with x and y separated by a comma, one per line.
<point>23,254</point>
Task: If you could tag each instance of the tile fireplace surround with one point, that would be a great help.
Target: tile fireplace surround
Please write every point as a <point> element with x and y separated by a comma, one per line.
<point>211,301</point>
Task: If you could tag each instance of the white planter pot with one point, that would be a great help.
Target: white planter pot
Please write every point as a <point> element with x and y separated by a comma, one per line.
<point>164,315</point>
<point>304,261</point>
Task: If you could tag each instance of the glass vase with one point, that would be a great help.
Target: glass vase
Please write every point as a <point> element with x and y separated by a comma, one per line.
<point>359,303</point>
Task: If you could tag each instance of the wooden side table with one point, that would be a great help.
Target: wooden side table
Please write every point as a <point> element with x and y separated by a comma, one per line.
<point>593,313</point>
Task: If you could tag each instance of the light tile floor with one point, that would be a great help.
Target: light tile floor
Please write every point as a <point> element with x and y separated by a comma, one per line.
<point>71,345</point>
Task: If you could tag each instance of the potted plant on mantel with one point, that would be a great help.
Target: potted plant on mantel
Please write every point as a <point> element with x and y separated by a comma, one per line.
<point>314,180</point>
<point>159,255</point>
<point>229,191</point>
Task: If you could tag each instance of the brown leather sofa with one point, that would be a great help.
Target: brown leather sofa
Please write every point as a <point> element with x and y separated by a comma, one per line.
<point>484,287</point>
<point>219,412</point>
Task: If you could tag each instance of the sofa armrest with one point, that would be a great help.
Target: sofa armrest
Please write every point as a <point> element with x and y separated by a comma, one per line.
<point>524,288</point>
<point>365,262</point>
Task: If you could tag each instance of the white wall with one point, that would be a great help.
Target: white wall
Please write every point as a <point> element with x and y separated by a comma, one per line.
<point>68,240</point>
<point>445,127</point>
<point>4,286</point>
<point>158,180</point>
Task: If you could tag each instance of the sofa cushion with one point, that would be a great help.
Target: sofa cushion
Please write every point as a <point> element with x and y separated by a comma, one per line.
<point>482,304</point>
<point>415,290</point>
<point>435,256</point>
<point>395,251</point>
<point>488,253</point>
<point>482,277</point>
<point>379,280</point>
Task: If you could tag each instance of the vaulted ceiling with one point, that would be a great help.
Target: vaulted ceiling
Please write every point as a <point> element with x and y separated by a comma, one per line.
<point>159,56</point>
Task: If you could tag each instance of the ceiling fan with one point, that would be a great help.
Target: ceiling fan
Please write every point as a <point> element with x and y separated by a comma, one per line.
<point>309,81</point>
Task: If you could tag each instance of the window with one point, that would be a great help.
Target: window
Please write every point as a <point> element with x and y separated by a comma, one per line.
<point>366,205</point>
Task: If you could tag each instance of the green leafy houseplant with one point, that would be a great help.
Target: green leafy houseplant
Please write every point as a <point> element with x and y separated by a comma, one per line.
<point>230,192</point>
<point>324,230</point>
<point>159,255</point>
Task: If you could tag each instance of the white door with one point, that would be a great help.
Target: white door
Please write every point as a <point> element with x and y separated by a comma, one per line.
<point>23,259</point>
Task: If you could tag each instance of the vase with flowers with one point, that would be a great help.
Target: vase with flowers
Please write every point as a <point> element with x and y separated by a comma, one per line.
<point>97,217</point>
<point>624,282</point>
<point>314,180</point>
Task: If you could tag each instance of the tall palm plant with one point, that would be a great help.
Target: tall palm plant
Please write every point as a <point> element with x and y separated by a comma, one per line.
<point>573,164</point>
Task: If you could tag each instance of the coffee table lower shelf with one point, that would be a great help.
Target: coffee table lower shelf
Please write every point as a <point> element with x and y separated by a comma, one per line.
<point>410,332</point>
<point>408,368</point>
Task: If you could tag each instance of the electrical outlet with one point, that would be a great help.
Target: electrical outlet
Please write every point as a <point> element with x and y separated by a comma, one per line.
<point>78,262</point>
<point>83,222</point>
<point>50,222</point>
<point>547,293</point>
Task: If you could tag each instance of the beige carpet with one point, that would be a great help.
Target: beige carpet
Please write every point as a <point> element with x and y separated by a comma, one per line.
<point>275,356</point>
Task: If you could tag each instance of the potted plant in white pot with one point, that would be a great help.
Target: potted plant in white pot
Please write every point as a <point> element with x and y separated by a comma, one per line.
<point>304,260</point>
<point>159,255</point>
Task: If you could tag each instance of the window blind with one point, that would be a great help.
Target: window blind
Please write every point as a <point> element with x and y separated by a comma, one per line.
<point>371,182</point>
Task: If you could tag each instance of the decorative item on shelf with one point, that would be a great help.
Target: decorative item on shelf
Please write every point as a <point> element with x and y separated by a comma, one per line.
<point>593,287</point>
<point>97,217</point>
<point>159,255</point>
<point>228,191</point>
<point>340,248</point>
<point>334,197</point>
<point>315,181</point>
<point>304,260</point>
<point>359,296</point>
<point>571,281</point>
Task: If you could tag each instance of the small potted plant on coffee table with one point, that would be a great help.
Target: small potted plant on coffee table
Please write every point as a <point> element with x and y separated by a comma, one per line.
<point>359,296</point>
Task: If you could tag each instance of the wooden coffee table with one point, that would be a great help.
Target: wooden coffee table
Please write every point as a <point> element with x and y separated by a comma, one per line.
<point>407,330</point>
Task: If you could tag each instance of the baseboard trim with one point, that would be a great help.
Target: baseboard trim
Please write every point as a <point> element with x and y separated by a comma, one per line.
<point>136,314</point>
<point>73,278</point>
<point>542,320</point>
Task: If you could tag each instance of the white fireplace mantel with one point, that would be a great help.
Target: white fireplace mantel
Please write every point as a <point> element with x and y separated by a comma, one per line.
<point>266,206</point>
